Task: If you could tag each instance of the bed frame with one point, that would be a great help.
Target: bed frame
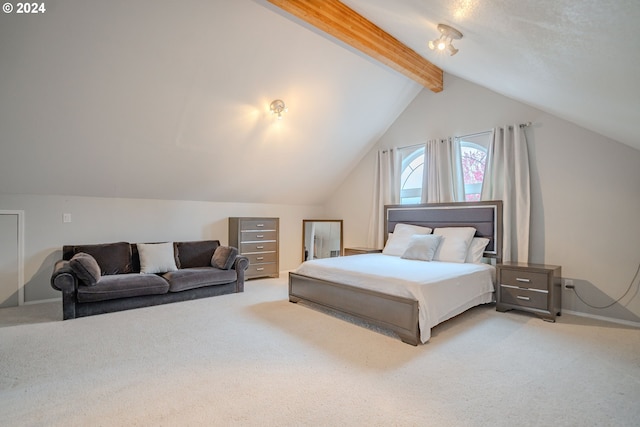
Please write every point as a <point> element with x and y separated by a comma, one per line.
<point>391,312</point>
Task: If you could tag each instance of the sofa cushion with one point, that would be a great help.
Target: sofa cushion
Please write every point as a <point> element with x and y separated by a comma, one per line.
<point>195,254</point>
<point>223,257</point>
<point>86,268</point>
<point>198,277</point>
<point>113,258</point>
<point>156,257</point>
<point>123,286</point>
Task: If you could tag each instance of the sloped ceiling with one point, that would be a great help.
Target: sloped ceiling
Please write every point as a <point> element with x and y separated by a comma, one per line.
<point>578,60</point>
<point>169,100</point>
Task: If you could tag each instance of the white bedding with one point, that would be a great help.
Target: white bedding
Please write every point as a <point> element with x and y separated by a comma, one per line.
<point>442,289</point>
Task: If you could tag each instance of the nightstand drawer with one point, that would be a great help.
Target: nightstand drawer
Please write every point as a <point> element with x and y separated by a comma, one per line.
<point>524,279</point>
<point>358,251</point>
<point>523,297</point>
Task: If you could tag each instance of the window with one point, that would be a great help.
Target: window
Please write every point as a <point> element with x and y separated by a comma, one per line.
<point>472,155</point>
<point>411,177</point>
<point>473,158</point>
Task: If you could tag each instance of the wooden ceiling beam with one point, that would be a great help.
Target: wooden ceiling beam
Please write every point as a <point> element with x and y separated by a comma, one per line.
<point>345,24</point>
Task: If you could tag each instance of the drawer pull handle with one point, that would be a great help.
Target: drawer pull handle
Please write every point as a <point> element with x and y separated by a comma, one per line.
<point>259,268</point>
<point>259,225</point>
<point>260,258</point>
<point>519,279</point>
<point>523,298</point>
<point>259,247</point>
<point>259,236</point>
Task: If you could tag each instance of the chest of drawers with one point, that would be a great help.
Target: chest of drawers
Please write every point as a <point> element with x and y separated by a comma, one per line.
<point>529,287</point>
<point>257,239</point>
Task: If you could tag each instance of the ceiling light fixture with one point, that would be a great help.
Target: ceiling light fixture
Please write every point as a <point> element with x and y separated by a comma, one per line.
<point>447,35</point>
<point>278,107</point>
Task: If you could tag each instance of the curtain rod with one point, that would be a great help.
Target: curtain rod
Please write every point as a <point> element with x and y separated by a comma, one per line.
<point>422,144</point>
<point>521,125</point>
<point>474,134</point>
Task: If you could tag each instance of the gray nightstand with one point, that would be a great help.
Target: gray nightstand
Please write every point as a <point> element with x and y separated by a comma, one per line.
<point>358,251</point>
<point>535,288</point>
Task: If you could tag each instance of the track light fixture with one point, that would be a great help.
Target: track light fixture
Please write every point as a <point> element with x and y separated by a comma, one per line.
<point>278,107</point>
<point>447,35</point>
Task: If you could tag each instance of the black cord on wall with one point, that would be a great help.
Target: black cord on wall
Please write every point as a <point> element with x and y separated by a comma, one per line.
<point>619,299</point>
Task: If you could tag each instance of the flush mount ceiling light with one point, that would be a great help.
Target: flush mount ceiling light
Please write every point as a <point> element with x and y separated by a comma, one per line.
<point>278,107</point>
<point>447,35</point>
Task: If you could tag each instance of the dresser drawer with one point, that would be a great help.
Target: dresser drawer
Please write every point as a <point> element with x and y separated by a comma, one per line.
<point>256,236</point>
<point>524,279</point>
<point>260,258</point>
<point>246,248</point>
<point>523,297</point>
<point>261,270</point>
<point>258,224</point>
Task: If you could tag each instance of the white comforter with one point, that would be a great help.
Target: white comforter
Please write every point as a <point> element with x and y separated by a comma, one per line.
<point>442,289</point>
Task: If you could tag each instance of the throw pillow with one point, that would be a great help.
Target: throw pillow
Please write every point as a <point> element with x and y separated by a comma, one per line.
<point>113,258</point>
<point>156,257</point>
<point>195,253</point>
<point>399,240</point>
<point>476,250</point>
<point>86,268</point>
<point>455,243</point>
<point>422,247</point>
<point>224,257</point>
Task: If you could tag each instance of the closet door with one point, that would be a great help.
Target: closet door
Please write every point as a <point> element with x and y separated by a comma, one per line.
<point>9,260</point>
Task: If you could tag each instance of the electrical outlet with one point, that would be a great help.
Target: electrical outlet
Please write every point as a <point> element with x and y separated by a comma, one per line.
<point>568,283</point>
<point>66,217</point>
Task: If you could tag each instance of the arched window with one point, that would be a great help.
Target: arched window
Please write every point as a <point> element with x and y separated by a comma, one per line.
<point>411,177</point>
<point>472,157</point>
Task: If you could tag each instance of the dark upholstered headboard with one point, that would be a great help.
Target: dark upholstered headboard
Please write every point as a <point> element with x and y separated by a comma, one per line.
<point>485,217</point>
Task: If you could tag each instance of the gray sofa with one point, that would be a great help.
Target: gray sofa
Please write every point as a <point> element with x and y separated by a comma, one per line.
<point>116,283</point>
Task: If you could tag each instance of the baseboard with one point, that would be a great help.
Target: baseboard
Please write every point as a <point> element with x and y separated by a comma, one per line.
<point>285,273</point>
<point>42,301</point>
<point>603,318</point>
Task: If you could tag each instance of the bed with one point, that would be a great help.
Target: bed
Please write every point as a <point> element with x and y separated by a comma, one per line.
<point>363,286</point>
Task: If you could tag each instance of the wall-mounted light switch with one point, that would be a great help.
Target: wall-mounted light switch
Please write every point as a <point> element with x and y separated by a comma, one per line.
<point>66,217</point>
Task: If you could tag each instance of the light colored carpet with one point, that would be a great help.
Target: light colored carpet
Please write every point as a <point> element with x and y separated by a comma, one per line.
<point>256,359</point>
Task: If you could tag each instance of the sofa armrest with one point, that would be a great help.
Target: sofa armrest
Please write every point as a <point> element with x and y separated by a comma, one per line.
<point>240,265</point>
<point>63,279</point>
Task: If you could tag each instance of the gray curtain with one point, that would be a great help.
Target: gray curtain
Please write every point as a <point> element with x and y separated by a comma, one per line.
<point>443,181</point>
<point>386,191</point>
<point>506,178</point>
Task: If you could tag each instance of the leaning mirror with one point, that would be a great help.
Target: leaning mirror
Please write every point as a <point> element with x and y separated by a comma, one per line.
<point>321,238</point>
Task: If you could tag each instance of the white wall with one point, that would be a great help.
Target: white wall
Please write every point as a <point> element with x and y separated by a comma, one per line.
<point>102,220</point>
<point>585,190</point>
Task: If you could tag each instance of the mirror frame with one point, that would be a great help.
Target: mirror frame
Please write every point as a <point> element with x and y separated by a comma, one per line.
<point>339,221</point>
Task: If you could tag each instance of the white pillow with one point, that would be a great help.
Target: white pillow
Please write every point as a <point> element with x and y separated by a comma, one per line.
<point>156,257</point>
<point>476,250</point>
<point>422,247</point>
<point>455,243</point>
<point>399,239</point>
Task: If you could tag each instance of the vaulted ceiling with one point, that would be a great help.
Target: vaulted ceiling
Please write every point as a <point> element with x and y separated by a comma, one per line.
<point>169,100</point>
<point>578,60</point>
